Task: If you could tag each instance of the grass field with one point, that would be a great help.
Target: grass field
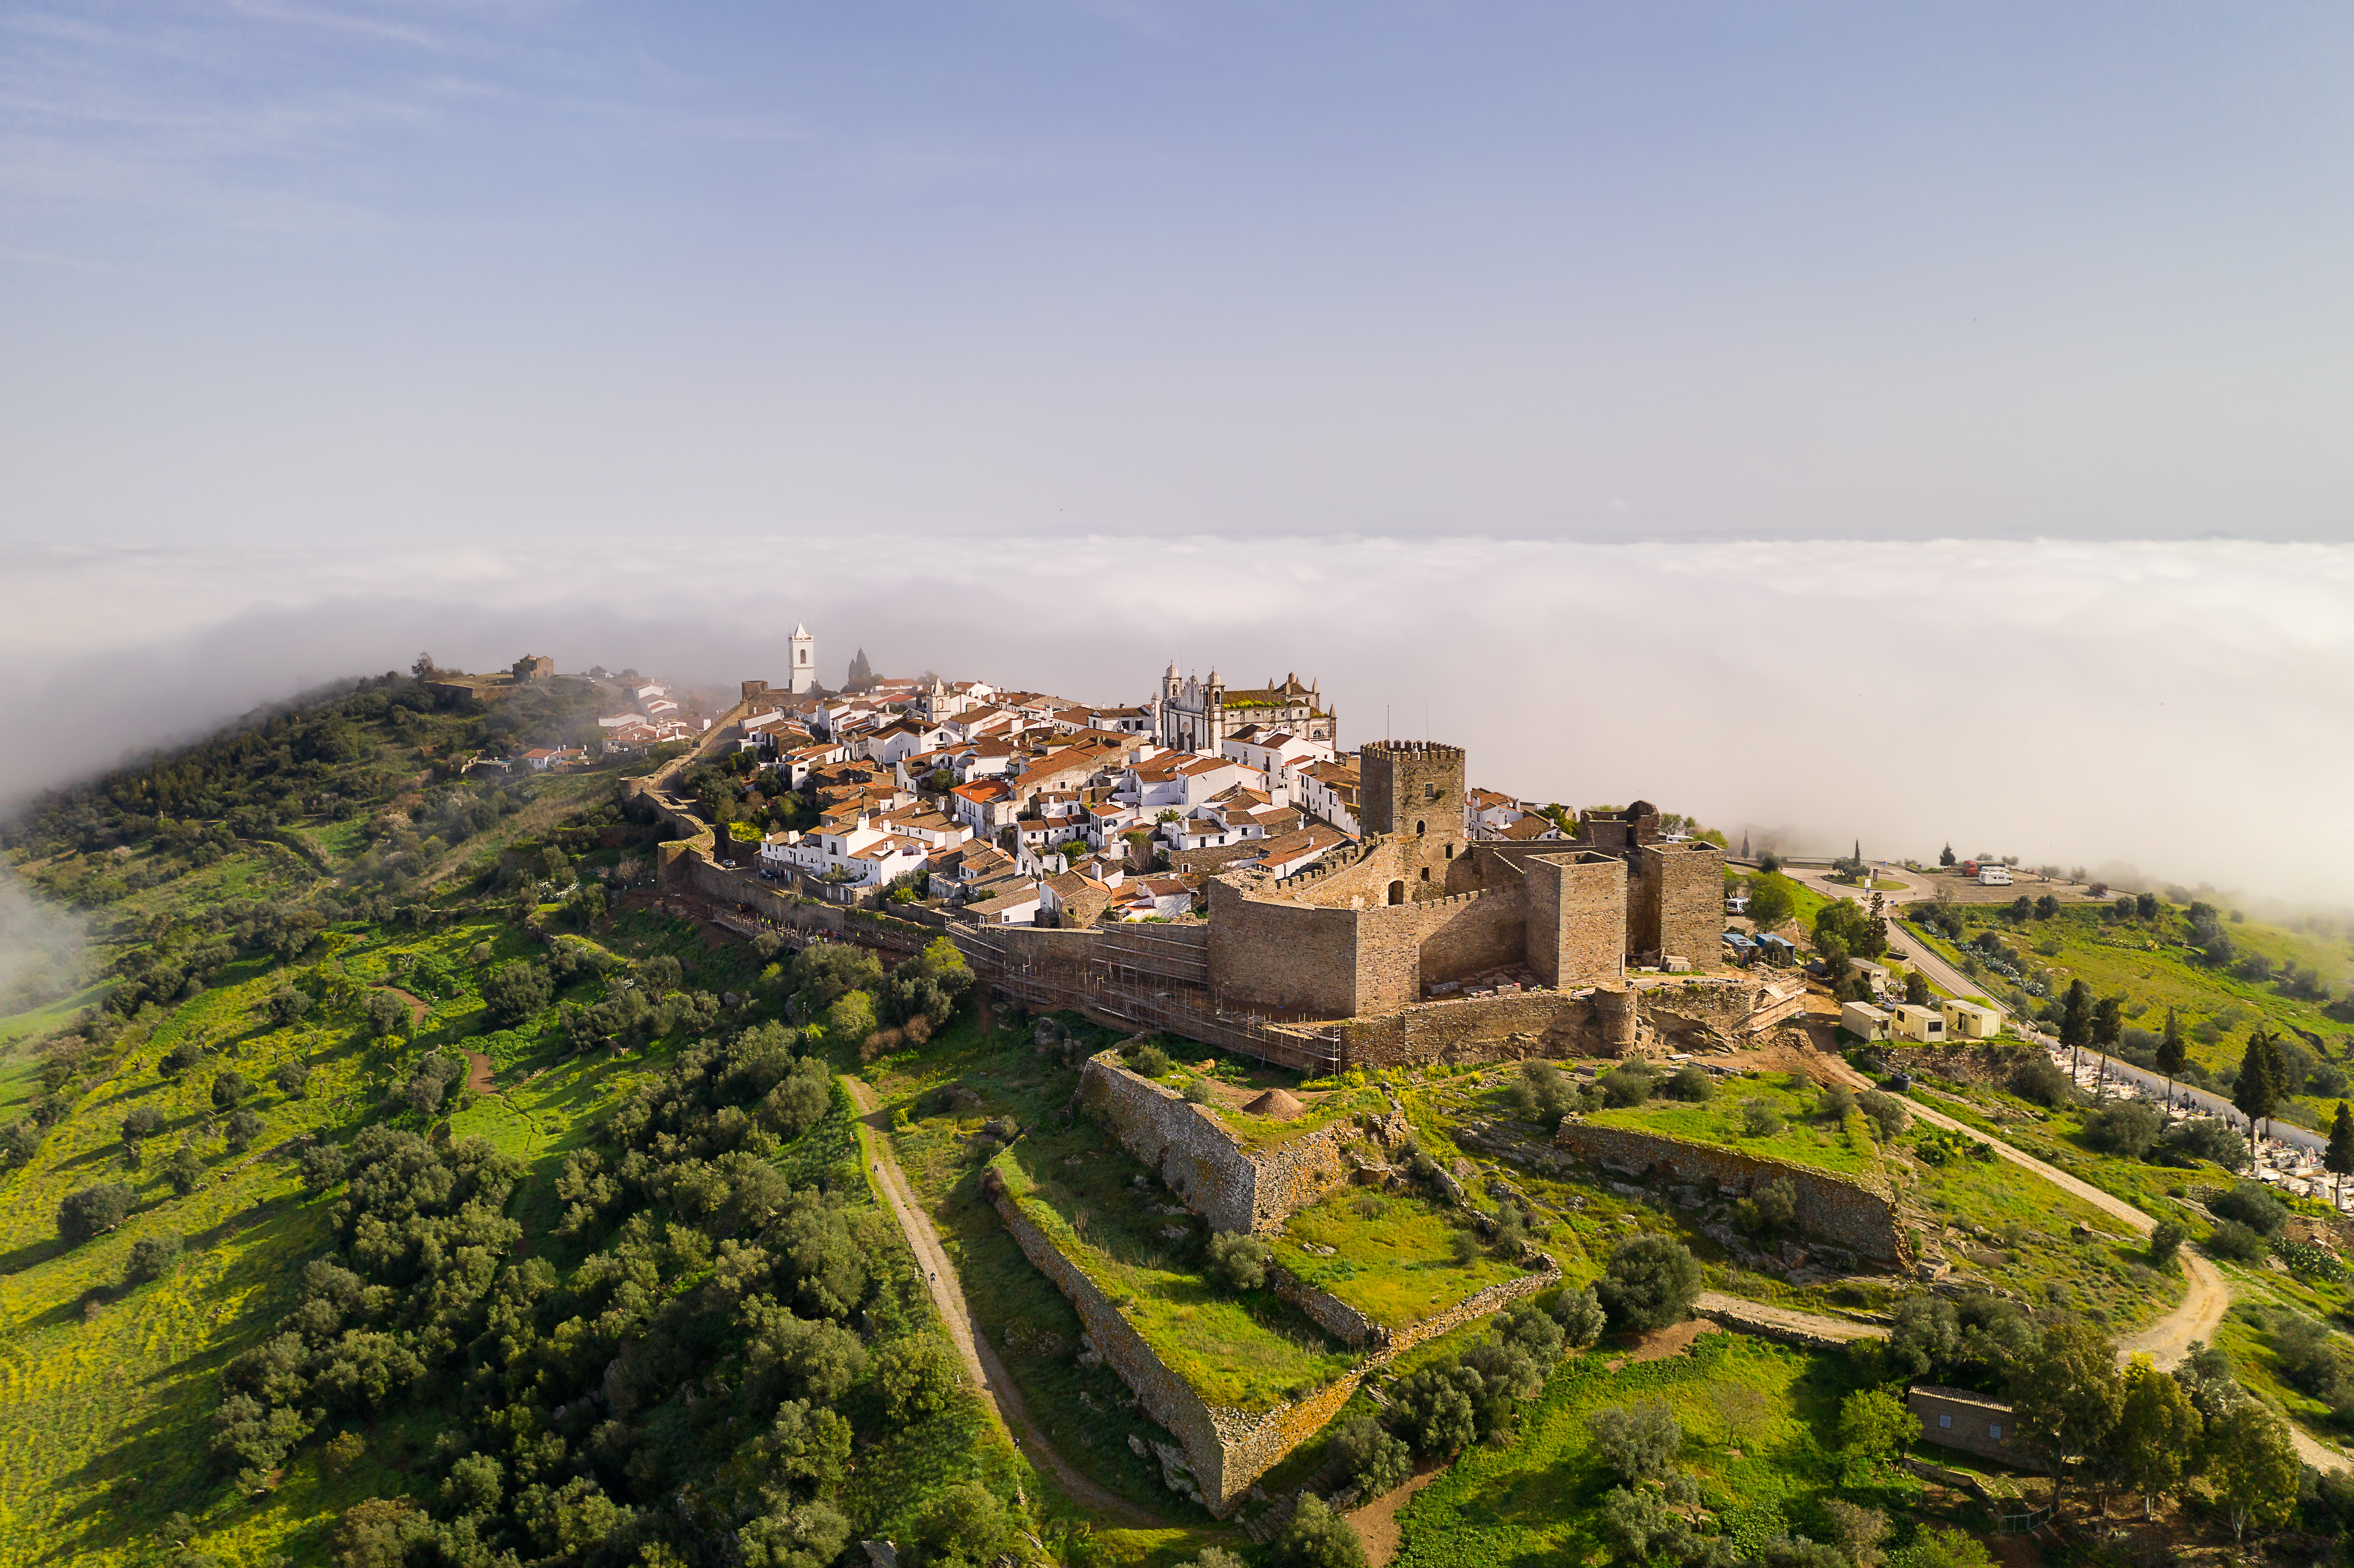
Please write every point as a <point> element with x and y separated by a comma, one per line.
<point>1759,1433</point>
<point>1392,1255</point>
<point>1804,1137</point>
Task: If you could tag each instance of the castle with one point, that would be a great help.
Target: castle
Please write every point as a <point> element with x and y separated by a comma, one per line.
<point>1419,907</point>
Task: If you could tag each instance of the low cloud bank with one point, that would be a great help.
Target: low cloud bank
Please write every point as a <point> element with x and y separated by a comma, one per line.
<point>2177,705</point>
<point>41,949</point>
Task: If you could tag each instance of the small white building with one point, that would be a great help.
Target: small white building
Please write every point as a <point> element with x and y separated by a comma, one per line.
<point>1970,1019</point>
<point>1864,1020</point>
<point>1913,1021</point>
<point>1874,975</point>
<point>1993,876</point>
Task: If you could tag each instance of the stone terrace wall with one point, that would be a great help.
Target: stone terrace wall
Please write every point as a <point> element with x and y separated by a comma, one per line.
<point>1229,1449</point>
<point>1844,1210</point>
<point>1233,1188</point>
<point>1167,1398</point>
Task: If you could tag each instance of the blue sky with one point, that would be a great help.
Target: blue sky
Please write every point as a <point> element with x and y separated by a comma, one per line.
<point>1583,271</point>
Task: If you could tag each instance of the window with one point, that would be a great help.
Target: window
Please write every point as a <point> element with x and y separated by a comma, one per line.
<point>1944,1421</point>
<point>1994,1430</point>
<point>1417,830</point>
<point>1426,874</point>
<point>1450,852</point>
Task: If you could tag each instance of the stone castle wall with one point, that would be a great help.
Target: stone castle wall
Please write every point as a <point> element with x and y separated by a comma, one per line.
<point>1846,1211</point>
<point>1284,957</point>
<point>1231,1187</point>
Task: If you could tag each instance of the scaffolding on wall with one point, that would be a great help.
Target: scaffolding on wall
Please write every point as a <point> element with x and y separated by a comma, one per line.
<point>1149,980</point>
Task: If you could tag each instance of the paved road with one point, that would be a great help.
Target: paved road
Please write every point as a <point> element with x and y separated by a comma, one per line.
<point>980,1357</point>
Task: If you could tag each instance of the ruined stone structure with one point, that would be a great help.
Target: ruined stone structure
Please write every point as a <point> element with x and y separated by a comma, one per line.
<point>1234,1187</point>
<point>1228,1450</point>
<point>1851,1212</point>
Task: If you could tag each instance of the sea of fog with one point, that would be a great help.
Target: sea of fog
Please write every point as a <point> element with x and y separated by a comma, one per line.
<point>2186,707</point>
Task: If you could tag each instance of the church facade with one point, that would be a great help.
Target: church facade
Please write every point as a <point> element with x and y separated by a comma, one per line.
<point>1192,715</point>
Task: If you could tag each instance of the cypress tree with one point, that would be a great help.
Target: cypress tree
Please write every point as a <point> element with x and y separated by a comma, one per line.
<point>2257,1092</point>
<point>2338,1159</point>
<point>2170,1054</point>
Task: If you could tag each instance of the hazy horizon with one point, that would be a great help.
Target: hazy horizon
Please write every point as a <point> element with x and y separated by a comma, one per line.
<point>2162,704</point>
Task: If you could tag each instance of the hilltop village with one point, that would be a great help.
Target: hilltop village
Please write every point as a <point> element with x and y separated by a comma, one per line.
<point>1213,861</point>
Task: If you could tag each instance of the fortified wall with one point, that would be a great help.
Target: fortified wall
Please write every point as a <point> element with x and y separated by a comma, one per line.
<point>1845,1211</point>
<point>1234,1187</point>
<point>1420,905</point>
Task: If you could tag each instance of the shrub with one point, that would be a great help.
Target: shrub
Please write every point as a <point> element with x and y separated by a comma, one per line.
<point>515,989</point>
<point>2251,1203</point>
<point>2165,1242</point>
<point>151,1258</point>
<point>343,1451</point>
<point>1544,1093</point>
<point>1627,1084</point>
<point>1772,1207</point>
<point>1240,1259</point>
<point>1759,1118</point>
<point>1316,1536</point>
<point>288,1004</point>
<point>1937,1546</point>
<point>1197,1090</point>
<point>229,1088</point>
<point>184,1168</point>
<point>2236,1240</point>
<point>2041,1080</point>
<point>293,1079</point>
<point>1650,1283</point>
<point>917,1376</point>
<point>1376,1461</point>
<point>241,1128</point>
<point>94,1211</point>
<point>1638,1443</point>
<point>1580,1315</point>
<point>1889,1115</point>
<point>1836,1101</point>
<point>2128,1128</point>
<point>386,1014</point>
<point>1151,1061</point>
<point>2204,1137</point>
<point>964,1524</point>
<point>1689,1082</point>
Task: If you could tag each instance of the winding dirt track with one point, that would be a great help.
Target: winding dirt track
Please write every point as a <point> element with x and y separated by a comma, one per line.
<point>979,1358</point>
<point>2169,1339</point>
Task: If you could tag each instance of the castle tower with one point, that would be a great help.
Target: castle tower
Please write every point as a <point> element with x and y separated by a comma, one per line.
<point>1412,790</point>
<point>804,667</point>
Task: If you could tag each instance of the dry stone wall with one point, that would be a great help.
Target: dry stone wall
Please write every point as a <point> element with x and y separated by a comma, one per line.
<point>1847,1211</point>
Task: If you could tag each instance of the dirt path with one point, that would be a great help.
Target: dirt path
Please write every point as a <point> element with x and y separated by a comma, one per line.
<point>980,1357</point>
<point>1376,1522</point>
<point>418,1006</point>
<point>478,1071</point>
<point>1713,1305</point>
